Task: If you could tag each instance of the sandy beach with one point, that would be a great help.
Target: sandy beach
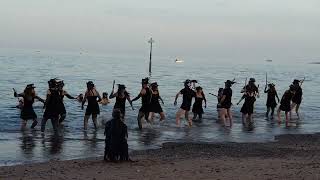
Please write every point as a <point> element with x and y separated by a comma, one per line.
<point>290,157</point>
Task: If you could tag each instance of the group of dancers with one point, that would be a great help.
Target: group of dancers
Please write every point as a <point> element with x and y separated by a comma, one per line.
<point>151,102</point>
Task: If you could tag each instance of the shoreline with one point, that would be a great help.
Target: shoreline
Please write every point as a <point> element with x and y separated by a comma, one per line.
<point>290,156</point>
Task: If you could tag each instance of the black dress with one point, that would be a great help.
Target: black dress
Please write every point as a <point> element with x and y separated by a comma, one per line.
<point>93,106</point>
<point>188,94</point>
<point>285,103</point>
<point>297,97</point>
<point>145,102</point>
<point>27,111</point>
<point>52,105</point>
<point>197,105</point>
<point>121,104</point>
<point>271,100</point>
<point>155,104</point>
<point>226,104</point>
<point>248,105</point>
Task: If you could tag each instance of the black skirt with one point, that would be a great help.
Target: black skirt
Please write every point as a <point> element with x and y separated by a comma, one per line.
<point>156,108</point>
<point>285,107</point>
<point>271,103</point>
<point>248,105</point>
<point>28,113</point>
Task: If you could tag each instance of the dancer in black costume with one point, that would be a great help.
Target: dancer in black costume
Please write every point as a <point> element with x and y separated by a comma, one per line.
<point>52,106</point>
<point>250,91</point>
<point>225,104</point>
<point>155,106</point>
<point>121,97</point>
<point>297,98</point>
<point>116,146</point>
<point>27,112</point>
<point>93,97</point>
<point>271,99</point>
<point>188,94</point>
<point>197,108</point>
<point>145,95</point>
<point>63,93</point>
<point>285,103</point>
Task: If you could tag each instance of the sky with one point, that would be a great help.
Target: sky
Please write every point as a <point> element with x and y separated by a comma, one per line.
<point>231,29</point>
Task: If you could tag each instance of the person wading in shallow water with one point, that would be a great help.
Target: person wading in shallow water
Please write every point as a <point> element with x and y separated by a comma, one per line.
<point>285,103</point>
<point>27,112</point>
<point>297,98</point>
<point>188,94</point>
<point>145,95</point>
<point>250,91</point>
<point>155,106</point>
<point>225,104</point>
<point>93,97</point>
<point>271,99</point>
<point>197,108</point>
<point>116,132</point>
<point>121,97</point>
<point>63,93</point>
<point>52,106</point>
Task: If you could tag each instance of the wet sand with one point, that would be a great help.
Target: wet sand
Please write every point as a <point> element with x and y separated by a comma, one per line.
<point>290,157</point>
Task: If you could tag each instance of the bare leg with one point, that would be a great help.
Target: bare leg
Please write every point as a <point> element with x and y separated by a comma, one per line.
<point>62,118</point>
<point>178,116</point>
<point>200,117</point>
<point>250,118</point>
<point>55,123</point>
<point>223,116</point>
<point>151,117</point>
<point>94,119</point>
<point>287,118</point>
<point>23,124</point>
<point>230,116</point>
<point>85,122</point>
<point>279,115</point>
<point>162,116</point>
<point>244,118</point>
<point>186,115</point>
<point>139,119</point>
<point>293,105</point>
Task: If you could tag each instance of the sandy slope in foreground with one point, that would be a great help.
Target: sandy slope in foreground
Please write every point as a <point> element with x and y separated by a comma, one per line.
<point>292,157</point>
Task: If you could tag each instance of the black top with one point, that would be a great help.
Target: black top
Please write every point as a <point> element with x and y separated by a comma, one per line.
<point>298,95</point>
<point>227,101</point>
<point>145,100</point>
<point>121,101</point>
<point>188,94</point>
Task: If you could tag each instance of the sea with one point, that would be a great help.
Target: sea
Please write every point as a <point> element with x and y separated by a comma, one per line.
<point>21,67</point>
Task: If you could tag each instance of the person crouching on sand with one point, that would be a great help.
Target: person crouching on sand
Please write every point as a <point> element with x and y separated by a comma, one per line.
<point>188,94</point>
<point>116,146</point>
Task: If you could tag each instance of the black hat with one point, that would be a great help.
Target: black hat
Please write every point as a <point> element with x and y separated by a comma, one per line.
<point>198,88</point>
<point>30,86</point>
<point>90,84</point>
<point>187,81</point>
<point>252,80</point>
<point>271,85</point>
<point>121,86</point>
<point>296,81</point>
<point>154,84</point>
<point>145,81</point>
<point>194,81</point>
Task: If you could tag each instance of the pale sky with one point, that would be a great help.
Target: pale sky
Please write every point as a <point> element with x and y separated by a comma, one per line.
<point>203,28</point>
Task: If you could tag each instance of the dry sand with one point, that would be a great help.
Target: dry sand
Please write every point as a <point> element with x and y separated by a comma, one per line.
<point>291,157</point>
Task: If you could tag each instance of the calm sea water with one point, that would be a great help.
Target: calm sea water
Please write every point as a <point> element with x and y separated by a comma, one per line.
<point>19,68</point>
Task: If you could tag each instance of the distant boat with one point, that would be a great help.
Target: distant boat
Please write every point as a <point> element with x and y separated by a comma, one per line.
<point>178,61</point>
<point>269,60</point>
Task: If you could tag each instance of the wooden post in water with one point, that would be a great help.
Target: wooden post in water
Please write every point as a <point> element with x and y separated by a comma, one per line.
<point>151,41</point>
